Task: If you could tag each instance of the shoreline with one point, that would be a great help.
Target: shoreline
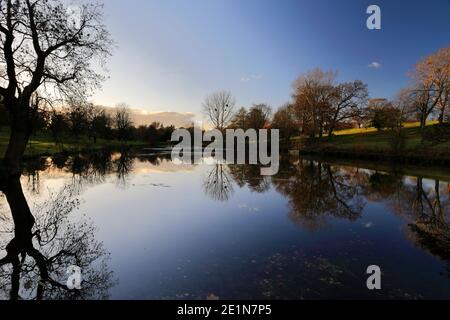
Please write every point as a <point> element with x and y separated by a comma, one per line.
<point>412,157</point>
<point>32,157</point>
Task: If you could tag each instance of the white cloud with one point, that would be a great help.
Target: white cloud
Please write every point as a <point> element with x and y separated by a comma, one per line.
<point>253,77</point>
<point>368,225</point>
<point>144,117</point>
<point>178,119</point>
<point>375,65</point>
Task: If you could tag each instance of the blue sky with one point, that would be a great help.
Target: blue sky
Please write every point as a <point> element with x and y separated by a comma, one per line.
<point>172,53</point>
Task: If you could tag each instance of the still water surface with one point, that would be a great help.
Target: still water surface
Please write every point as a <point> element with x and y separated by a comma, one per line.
<point>143,228</point>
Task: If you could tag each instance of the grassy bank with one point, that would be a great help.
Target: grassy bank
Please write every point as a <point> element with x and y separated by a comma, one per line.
<point>43,144</point>
<point>372,144</point>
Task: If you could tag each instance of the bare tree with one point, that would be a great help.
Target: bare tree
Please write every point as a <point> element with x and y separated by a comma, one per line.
<point>99,123</point>
<point>78,112</point>
<point>122,121</point>
<point>424,102</point>
<point>322,105</point>
<point>350,99</point>
<point>219,108</point>
<point>45,47</point>
<point>403,102</point>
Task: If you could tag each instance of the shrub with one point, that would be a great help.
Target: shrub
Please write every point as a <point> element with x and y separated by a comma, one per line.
<point>437,134</point>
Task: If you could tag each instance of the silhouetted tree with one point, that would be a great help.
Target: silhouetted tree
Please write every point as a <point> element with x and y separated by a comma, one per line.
<point>218,108</point>
<point>122,122</point>
<point>78,115</point>
<point>59,124</point>
<point>45,48</point>
<point>99,124</point>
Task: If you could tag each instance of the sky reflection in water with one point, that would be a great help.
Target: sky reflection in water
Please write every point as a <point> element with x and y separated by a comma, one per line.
<point>193,232</point>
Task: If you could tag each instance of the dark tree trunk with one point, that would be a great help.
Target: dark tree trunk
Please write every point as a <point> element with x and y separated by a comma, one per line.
<point>15,280</point>
<point>23,226</point>
<point>21,214</point>
<point>330,132</point>
<point>423,121</point>
<point>442,116</point>
<point>22,243</point>
<point>18,140</point>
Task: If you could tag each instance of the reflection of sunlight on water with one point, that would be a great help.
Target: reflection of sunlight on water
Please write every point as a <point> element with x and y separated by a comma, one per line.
<point>165,166</point>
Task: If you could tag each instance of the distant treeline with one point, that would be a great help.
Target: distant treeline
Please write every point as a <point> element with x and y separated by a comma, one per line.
<point>87,120</point>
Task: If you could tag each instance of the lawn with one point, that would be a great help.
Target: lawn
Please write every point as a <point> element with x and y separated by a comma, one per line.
<point>371,137</point>
<point>381,140</point>
<point>371,130</point>
<point>371,141</point>
<point>43,144</point>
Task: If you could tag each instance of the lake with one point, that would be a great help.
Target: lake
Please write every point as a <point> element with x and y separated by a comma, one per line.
<point>141,227</point>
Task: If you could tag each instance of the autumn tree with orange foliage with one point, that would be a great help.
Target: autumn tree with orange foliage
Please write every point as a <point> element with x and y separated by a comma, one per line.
<point>431,89</point>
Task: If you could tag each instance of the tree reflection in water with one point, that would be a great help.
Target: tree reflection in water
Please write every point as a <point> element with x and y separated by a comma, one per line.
<point>45,244</point>
<point>250,176</point>
<point>317,192</point>
<point>429,215</point>
<point>424,204</point>
<point>217,183</point>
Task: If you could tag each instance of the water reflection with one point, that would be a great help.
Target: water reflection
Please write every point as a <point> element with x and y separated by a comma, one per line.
<point>318,191</point>
<point>318,195</point>
<point>249,176</point>
<point>218,183</point>
<point>48,241</point>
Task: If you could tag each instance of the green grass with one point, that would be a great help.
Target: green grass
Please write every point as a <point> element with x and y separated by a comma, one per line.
<point>381,140</point>
<point>371,130</point>
<point>43,144</point>
<point>362,141</point>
